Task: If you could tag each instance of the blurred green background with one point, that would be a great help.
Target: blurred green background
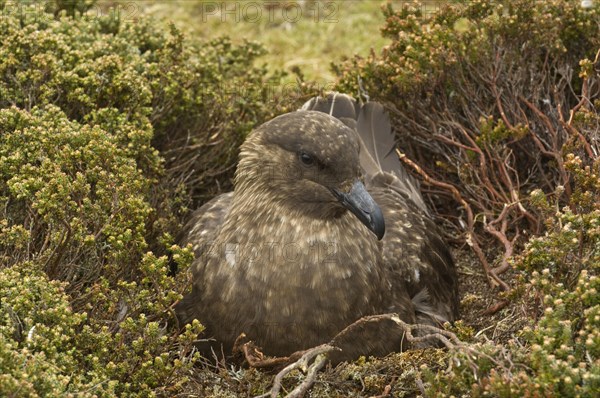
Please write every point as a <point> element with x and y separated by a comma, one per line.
<point>305,34</point>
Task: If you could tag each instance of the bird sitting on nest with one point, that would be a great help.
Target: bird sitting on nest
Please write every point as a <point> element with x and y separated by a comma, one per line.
<point>324,227</point>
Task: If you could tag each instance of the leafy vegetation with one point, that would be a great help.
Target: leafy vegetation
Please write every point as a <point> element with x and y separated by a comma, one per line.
<point>89,204</point>
<point>486,109</point>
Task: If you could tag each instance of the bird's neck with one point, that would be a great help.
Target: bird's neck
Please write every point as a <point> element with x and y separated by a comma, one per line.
<point>264,213</point>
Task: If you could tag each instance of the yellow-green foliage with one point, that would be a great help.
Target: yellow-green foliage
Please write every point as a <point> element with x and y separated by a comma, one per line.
<point>559,353</point>
<point>429,42</point>
<point>88,203</point>
<point>37,334</point>
<point>77,187</point>
<point>492,76</point>
<point>48,350</point>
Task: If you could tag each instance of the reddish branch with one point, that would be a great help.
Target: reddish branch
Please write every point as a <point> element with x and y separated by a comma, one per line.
<point>471,237</point>
<point>490,186</point>
<point>500,234</point>
<point>255,358</point>
<point>495,307</point>
<point>555,151</point>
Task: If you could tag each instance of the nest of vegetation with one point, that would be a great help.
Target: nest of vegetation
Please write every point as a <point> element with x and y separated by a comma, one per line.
<point>111,131</point>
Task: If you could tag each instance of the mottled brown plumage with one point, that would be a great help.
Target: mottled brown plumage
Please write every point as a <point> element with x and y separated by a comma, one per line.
<point>292,255</point>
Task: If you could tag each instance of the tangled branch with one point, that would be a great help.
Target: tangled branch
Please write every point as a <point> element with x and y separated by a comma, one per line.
<point>312,360</point>
<point>500,135</point>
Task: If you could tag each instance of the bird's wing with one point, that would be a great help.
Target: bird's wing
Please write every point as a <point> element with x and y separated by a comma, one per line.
<point>415,254</point>
<point>200,231</point>
<point>205,223</point>
<point>418,260</point>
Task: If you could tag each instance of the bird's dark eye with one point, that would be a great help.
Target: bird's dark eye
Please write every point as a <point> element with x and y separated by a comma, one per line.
<point>306,159</point>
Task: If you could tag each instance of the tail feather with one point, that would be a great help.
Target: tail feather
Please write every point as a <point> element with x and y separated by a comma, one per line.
<point>378,147</point>
<point>375,131</point>
<point>340,106</point>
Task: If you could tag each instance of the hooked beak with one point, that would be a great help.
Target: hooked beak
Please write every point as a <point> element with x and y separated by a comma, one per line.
<point>362,205</point>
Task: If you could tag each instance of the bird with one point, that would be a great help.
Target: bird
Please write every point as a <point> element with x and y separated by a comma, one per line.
<point>324,226</point>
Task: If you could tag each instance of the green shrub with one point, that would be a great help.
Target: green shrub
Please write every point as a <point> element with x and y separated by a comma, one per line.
<point>49,350</point>
<point>559,353</point>
<point>37,334</point>
<point>96,117</point>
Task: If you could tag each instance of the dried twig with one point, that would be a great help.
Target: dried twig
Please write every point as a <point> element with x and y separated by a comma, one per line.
<point>495,307</point>
<point>255,358</point>
<point>385,393</point>
<point>320,359</point>
<point>413,333</point>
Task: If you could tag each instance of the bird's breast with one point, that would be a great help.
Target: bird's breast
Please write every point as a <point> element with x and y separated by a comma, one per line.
<point>316,278</point>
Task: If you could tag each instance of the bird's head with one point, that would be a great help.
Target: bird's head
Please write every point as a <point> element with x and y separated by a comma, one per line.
<point>308,162</point>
